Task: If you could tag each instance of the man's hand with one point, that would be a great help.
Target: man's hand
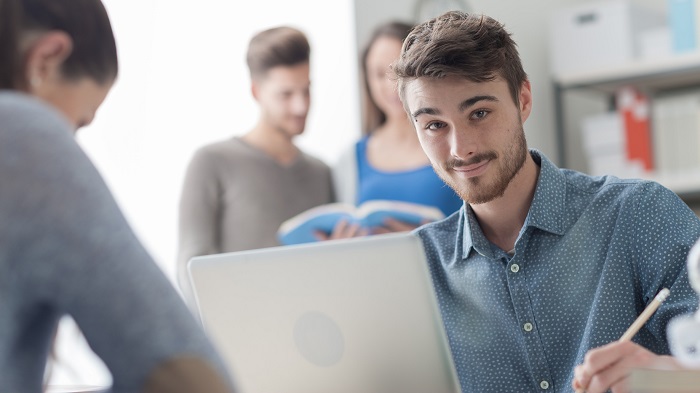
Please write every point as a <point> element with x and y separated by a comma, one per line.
<point>609,367</point>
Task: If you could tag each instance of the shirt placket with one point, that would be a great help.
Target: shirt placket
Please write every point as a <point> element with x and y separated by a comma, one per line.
<point>516,273</point>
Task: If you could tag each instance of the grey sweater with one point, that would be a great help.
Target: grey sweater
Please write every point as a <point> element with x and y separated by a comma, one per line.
<point>235,197</point>
<point>65,248</point>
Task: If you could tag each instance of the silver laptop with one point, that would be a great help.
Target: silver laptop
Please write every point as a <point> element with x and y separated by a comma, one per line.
<point>354,315</point>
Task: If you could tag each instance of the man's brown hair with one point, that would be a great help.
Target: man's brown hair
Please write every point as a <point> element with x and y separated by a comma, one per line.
<point>278,46</point>
<point>475,47</point>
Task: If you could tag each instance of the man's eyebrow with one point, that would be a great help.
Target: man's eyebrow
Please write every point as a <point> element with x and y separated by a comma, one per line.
<point>425,111</point>
<point>468,103</point>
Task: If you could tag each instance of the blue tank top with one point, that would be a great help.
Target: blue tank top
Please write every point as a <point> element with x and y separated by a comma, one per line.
<point>420,185</point>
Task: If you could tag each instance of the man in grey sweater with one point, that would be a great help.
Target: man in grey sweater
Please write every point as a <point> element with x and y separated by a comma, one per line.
<point>238,191</point>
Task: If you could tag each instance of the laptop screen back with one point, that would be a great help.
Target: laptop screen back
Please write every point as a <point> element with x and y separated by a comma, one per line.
<point>356,315</point>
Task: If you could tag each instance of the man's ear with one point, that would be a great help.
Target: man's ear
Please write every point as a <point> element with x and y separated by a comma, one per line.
<point>254,90</point>
<point>45,57</point>
<point>525,101</point>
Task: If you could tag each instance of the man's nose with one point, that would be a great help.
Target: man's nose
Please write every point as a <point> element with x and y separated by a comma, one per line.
<point>300,104</point>
<point>462,143</point>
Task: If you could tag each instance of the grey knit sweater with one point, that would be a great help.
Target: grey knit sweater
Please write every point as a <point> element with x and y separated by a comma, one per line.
<point>65,248</point>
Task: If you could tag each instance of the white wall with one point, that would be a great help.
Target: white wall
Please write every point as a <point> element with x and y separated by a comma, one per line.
<point>183,83</point>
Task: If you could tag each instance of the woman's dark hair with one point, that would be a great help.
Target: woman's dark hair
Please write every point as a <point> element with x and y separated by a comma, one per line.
<point>9,56</point>
<point>94,51</point>
<point>373,117</point>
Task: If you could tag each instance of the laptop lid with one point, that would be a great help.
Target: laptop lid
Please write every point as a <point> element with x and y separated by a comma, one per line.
<point>353,315</point>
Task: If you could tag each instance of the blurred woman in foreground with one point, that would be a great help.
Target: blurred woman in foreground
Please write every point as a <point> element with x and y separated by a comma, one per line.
<point>65,247</point>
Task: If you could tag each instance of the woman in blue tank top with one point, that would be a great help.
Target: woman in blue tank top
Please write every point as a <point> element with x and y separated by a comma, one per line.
<point>388,162</point>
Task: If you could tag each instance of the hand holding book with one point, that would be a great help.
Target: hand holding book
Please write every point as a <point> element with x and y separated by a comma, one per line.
<point>343,230</point>
<point>377,216</point>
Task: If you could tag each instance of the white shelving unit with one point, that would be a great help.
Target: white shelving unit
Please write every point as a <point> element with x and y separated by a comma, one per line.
<point>661,74</point>
<point>651,76</point>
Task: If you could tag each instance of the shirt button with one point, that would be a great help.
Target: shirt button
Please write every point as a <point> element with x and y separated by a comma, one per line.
<point>544,385</point>
<point>514,268</point>
<point>528,328</point>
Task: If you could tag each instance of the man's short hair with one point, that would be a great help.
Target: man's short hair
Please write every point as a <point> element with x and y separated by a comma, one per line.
<point>475,47</point>
<point>278,46</point>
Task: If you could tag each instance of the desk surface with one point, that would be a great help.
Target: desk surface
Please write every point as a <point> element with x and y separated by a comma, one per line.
<point>665,381</point>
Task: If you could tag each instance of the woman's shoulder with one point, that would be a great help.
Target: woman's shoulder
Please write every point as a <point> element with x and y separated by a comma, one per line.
<point>20,111</point>
<point>21,103</point>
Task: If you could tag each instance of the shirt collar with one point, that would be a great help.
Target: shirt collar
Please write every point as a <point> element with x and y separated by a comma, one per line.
<point>473,236</point>
<point>549,204</point>
<point>546,211</point>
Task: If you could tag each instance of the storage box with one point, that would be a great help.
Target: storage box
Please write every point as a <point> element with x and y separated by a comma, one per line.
<point>655,44</point>
<point>598,34</point>
<point>681,17</point>
<point>604,143</point>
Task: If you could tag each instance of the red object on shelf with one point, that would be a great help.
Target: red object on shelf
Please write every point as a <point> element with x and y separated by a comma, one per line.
<point>633,106</point>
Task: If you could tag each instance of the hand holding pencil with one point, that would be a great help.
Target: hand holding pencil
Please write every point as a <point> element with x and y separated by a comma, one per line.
<point>626,337</point>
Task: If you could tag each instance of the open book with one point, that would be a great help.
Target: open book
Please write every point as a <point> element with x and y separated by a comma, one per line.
<point>301,228</point>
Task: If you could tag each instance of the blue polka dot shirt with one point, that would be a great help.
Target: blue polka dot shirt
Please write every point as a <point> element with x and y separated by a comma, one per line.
<point>592,253</point>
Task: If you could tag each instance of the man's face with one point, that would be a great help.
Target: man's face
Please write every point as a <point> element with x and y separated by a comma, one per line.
<point>472,132</point>
<point>284,98</point>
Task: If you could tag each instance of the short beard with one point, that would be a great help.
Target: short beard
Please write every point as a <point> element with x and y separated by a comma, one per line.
<point>475,191</point>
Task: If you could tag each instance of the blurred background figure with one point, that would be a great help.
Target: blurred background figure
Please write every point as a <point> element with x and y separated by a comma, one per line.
<point>66,248</point>
<point>238,191</point>
<point>388,163</point>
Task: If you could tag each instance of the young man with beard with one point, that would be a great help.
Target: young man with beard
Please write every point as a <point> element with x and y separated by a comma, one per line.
<point>543,268</point>
<point>238,191</point>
